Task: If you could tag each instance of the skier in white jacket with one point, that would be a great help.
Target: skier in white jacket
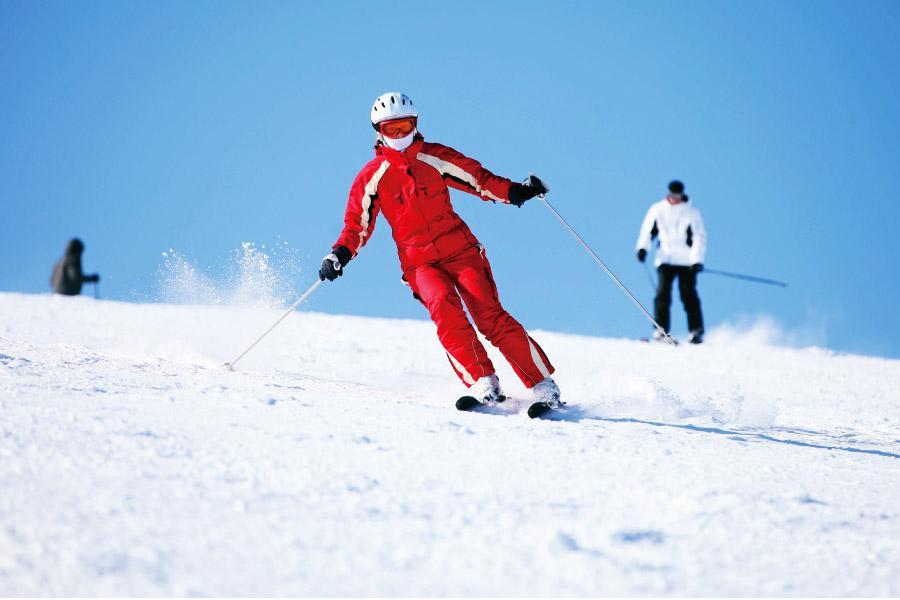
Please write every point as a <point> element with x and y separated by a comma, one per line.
<point>681,247</point>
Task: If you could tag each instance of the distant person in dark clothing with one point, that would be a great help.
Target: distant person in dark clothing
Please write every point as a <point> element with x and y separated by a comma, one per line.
<point>67,276</point>
<point>680,238</point>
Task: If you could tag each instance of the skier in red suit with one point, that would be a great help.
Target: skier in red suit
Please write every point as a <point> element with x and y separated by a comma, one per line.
<point>441,259</point>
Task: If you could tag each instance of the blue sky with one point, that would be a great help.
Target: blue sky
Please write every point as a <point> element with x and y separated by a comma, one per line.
<point>143,126</point>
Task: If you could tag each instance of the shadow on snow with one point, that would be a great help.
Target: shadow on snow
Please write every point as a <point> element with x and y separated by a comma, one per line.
<point>575,415</point>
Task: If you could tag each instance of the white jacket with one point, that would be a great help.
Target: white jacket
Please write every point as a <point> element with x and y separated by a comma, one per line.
<point>682,236</point>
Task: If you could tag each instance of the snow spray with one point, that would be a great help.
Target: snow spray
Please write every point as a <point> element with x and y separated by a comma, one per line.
<point>262,276</point>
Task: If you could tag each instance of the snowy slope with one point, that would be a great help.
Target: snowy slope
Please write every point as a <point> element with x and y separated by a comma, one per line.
<point>333,462</point>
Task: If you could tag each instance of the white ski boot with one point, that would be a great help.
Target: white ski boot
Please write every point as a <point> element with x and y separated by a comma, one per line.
<point>487,390</point>
<point>547,392</point>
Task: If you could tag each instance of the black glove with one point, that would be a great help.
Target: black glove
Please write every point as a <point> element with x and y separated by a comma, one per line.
<point>642,255</point>
<point>696,268</point>
<point>520,192</point>
<point>91,278</point>
<point>333,264</point>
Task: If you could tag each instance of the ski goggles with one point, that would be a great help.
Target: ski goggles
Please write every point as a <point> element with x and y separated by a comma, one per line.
<point>398,128</point>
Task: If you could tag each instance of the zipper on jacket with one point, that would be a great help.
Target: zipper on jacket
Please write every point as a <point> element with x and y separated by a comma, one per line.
<point>418,204</point>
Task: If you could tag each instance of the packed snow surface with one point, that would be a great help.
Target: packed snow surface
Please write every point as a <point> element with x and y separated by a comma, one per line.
<point>333,462</point>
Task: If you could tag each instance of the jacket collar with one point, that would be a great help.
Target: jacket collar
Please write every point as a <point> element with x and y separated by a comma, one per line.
<point>398,158</point>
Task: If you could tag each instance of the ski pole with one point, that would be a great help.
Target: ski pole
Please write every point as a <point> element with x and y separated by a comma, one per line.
<point>230,365</point>
<point>596,258</point>
<point>746,277</point>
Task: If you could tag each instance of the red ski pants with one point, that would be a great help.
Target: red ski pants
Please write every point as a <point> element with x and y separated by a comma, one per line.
<point>467,277</point>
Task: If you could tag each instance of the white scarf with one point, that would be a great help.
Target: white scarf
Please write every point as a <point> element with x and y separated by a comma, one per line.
<point>399,144</point>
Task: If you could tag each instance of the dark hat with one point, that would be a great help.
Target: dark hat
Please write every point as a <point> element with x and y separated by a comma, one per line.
<point>75,246</point>
<point>676,187</point>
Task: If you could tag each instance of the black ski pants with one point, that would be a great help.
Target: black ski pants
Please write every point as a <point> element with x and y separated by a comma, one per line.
<point>687,286</point>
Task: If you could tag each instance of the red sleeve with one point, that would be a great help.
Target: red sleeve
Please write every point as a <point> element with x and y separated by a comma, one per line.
<point>362,207</point>
<point>465,174</point>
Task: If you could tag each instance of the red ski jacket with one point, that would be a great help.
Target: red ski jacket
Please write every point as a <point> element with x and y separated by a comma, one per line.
<point>410,188</point>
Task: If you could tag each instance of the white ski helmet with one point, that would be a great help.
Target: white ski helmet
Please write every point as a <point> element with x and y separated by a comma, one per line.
<point>392,105</point>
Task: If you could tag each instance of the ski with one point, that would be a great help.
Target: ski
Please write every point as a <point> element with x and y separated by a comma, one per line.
<point>536,410</point>
<point>470,403</point>
<point>467,403</point>
<point>649,340</point>
<point>539,409</point>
